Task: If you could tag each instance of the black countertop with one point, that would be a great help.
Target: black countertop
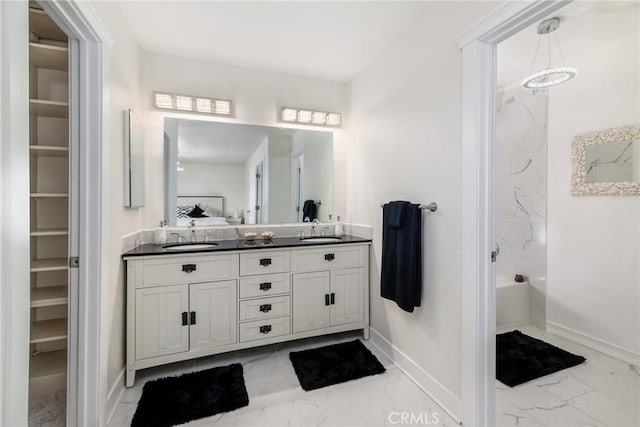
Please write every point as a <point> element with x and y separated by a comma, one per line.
<point>237,245</point>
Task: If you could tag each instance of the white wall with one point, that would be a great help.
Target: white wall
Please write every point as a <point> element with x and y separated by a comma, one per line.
<point>521,190</point>
<point>207,179</point>
<point>121,91</point>
<point>594,241</point>
<point>256,95</point>
<point>14,201</point>
<point>406,144</point>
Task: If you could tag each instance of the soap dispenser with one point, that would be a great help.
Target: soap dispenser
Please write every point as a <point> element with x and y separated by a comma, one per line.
<point>339,229</point>
<point>160,237</point>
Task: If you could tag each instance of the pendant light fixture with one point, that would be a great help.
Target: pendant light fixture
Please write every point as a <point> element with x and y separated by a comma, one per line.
<point>550,76</point>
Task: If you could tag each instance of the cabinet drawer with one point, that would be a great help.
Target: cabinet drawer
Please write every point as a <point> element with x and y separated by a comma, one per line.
<point>264,262</point>
<point>260,286</point>
<point>265,307</point>
<point>329,257</point>
<point>268,328</point>
<point>189,269</point>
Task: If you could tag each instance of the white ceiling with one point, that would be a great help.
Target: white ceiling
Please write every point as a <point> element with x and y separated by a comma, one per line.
<point>328,40</point>
<point>221,143</point>
<point>581,24</point>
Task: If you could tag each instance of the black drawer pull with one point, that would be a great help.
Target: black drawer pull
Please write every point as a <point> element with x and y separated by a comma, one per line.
<point>326,299</point>
<point>265,329</point>
<point>265,286</point>
<point>193,318</point>
<point>329,257</point>
<point>188,268</point>
<point>265,308</point>
<point>333,298</point>
<point>265,262</point>
<point>185,321</point>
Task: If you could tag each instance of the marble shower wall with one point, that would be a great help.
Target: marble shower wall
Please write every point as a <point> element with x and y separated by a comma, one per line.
<point>521,197</point>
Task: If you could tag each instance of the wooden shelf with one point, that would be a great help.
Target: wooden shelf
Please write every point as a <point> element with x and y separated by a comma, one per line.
<point>49,296</point>
<point>49,150</point>
<point>48,364</point>
<point>47,56</point>
<point>49,232</point>
<point>45,108</point>
<point>48,330</point>
<point>49,195</point>
<point>44,27</point>
<point>49,264</point>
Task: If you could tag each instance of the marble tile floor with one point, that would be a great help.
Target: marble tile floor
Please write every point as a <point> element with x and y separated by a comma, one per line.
<point>276,398</point>
<point>602,391</point>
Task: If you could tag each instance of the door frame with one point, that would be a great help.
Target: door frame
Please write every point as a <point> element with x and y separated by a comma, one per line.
<point>478,45</point>
<point>86,362</point>
<point>259,202</point>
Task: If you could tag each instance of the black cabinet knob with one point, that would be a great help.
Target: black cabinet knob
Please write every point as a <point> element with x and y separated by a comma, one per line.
<point>265,308</point>
<point>193,318</point>
<point>265,329</point>
<point>185,320</point>
<point>333,298</point>
<point>329,257</point>
<point>265,286</point>
<point>265,262</point>
<point>326,299</point>
<point>188,268</point>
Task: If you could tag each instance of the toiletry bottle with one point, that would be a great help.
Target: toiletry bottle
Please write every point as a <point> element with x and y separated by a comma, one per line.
<point>160,237</point>
<point>339,230</point>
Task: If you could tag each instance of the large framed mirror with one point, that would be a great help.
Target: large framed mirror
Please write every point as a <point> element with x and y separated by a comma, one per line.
<point>220,173</point>
<point>607,163</point>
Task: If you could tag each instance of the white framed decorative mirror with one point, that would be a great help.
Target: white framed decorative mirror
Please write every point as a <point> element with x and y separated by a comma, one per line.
<point>607,162</point>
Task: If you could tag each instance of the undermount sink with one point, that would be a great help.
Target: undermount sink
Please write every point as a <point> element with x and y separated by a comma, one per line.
<point>320,239</point>
<point>190,246</point>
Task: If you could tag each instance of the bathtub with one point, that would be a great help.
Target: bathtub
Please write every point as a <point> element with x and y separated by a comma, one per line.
<point>512,303</point>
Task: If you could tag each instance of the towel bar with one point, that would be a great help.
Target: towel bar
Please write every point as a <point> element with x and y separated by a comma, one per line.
<point>433,206</point>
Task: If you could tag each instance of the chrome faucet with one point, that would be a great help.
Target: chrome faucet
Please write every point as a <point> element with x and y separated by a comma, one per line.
<point>179,237</point>
<point>315,223</point>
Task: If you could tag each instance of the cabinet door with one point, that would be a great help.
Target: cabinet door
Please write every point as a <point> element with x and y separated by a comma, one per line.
<point>309,308</point>
<point>347,287</point>
<point>213,314</point>
<point>159,325</point>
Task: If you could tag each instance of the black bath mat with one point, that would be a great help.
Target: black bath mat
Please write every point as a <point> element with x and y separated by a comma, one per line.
<point>176,400</point>
<point>334,364</point>
<point>521,358</point>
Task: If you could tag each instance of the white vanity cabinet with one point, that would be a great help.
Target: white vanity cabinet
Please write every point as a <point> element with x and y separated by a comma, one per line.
<point>329,287</point>
<point>183,306</point>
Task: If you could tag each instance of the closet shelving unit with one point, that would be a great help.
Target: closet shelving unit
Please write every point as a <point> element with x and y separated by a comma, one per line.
<point>49,165</point>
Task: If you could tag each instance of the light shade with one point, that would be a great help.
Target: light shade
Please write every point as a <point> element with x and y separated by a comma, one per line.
<point>304,116</point>
<point>192,104</point>
<point>549,77</point>
<point>289,115</point>
<point>309,117</point>
<point>163,100</point>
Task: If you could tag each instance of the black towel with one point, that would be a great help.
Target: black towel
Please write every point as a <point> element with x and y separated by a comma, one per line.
<point>309,210</point>
<point>401,279</point>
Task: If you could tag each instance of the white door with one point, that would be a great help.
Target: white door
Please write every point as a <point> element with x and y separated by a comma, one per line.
<point>213,314</point>
<point>347,296</point>
<point>311,301</point>
<point>160,321</point>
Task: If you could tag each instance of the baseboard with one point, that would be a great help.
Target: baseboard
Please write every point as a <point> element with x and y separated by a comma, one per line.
<point>607,348</point>
<point>115,394</point>
<point>436,391</point>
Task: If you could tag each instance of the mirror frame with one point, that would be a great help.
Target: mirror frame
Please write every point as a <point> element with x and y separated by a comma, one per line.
<point>579,186</point>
